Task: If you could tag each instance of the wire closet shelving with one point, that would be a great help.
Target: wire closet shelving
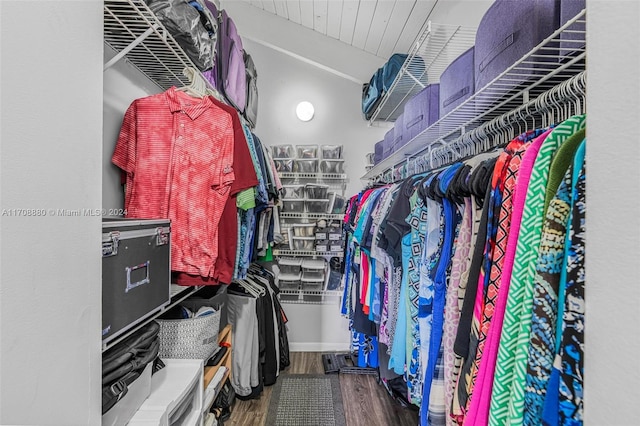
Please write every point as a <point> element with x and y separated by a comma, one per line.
<point>539,72</point>
<point>433,50</point>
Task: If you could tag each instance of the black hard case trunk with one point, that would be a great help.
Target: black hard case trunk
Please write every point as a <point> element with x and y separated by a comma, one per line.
<point>136,270</point>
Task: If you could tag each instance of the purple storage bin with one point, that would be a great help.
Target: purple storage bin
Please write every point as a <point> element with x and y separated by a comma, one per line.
<point>568,10</point>
<point>507,32</point>
<point>421,111</point>
<point>387,144</point>
<point>457,82</point>
<point>377,152</point>
<point>399,138</point>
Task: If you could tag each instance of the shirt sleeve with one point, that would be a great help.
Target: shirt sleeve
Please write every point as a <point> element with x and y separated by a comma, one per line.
<point>227,170</point>
<point>124,155</point>
<point>245,173</point>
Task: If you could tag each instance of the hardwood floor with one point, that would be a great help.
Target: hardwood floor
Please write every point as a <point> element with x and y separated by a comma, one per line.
<point>366,403</point>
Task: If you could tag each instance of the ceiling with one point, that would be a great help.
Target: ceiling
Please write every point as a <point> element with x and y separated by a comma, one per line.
<point>378,27</point>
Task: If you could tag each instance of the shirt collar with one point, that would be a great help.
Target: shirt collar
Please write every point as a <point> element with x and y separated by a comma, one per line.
<point>179,103</point>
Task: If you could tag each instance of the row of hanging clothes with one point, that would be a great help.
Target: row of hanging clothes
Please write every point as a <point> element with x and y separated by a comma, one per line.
<point>187,156</point>
<point>260,342</point>
<point>465,284</point>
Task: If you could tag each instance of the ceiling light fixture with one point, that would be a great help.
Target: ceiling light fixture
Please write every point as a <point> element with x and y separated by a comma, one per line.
<point>305,111</point>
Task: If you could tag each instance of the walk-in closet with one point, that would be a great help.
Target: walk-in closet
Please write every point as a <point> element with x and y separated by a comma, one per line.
<point>319,212</point>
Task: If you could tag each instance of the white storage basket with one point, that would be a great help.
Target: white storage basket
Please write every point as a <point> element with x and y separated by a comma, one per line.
<point>189,338</point>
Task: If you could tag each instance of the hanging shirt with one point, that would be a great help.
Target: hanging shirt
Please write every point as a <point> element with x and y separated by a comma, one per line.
<point>482,394</point>
<point>435,369</point>
<point>177,152</point>
<point>508,388</point>
<point>246,177</point>
<point>498,224</point>
<point>547,280</point>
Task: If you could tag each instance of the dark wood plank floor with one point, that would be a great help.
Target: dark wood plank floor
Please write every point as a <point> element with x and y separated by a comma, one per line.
<point>366,403</point>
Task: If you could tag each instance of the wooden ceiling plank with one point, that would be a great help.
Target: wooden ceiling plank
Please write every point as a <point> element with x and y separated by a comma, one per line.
<point>348,23</point>
<point>363,23</point>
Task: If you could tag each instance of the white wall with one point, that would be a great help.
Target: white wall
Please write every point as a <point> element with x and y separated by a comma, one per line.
<point>613,217</point>
<point>284,81</point>
<point>123,83</point>
<point>50,300</point>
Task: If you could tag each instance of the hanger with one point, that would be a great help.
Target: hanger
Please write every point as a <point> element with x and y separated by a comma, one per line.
<point>197,86</point>
<point>249,288</point>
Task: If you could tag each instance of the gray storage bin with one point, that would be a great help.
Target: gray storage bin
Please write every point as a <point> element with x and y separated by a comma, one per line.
<point>284,166</point>
<point>293,206</point>
<point>289,281</point>
<point>317,206</point>
<point>303,229</point>
<point>307,151</point>
<point>303,243</point>
<point>289,265</point>
<point>313,269</point>
<point>312,284</point>
<point>293,191</point>
<point>306,165</point>
<point>283,151</point>
<point>332,166</point>
<point>331,152</point>
<point>315,191</point>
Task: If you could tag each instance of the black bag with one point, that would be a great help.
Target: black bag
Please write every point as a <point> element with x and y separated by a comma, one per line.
<point>123,363</point>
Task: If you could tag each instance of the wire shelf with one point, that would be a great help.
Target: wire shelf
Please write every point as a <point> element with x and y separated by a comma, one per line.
<point>326,176</point>
<point>435,48</point>
<point>327,216</point>
<point>133,31</point>
<point>543,68</point>
<point>307,253</point>
<point>310,297</point>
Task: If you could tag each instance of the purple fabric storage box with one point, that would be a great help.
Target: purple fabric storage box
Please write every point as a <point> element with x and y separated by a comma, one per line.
<point>399,138</point>
<point>421,111</point>
<point>568,10</point>
<point>457,82</point>
<point>387,144</point>
<point>377,152</point>
<point>507,32</point>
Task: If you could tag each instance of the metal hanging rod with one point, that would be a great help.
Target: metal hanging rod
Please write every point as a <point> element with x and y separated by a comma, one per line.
<point>553,106</point>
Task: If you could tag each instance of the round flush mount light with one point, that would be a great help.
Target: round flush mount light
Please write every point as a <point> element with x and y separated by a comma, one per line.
<point>305,111</point>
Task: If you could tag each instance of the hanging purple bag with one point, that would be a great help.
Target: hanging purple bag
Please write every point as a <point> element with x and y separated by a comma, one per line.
<point>232,76</point>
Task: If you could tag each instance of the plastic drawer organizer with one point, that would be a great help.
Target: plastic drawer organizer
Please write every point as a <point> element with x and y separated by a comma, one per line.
<point>290,265</point>
<point>303,229</point>
<point>317,206</point>
<point>332,166</point>
<point>315,191</point>
<point>289,281</point>
<point>313,198</point>
<point>294,191</point>
<point>306,165</point>
<point>303,243</point>
<point>283,151</point>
